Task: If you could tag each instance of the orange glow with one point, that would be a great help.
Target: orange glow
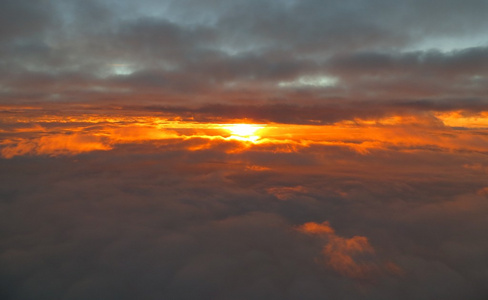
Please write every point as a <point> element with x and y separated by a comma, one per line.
<point>53,145</point>
<point>244,132</point>
<point>461,119</point>
<point>348,256</point>
<point>342,252</point>
<point>36,132</point>
<point>315,228</point>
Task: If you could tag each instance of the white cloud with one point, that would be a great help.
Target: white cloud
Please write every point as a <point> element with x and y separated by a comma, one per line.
<point>310,81</point>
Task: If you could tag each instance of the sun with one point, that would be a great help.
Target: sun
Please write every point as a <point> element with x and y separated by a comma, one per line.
<point>245,132</point>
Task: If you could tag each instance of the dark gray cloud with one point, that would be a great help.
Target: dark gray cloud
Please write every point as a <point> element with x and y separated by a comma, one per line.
<point>243,51</point>
<point>155,221</point>
<point>329,113</point>
<point>24,19</point>
<point>469,61</point>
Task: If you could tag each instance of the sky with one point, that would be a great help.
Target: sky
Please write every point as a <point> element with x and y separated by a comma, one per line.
<point>242,149</point>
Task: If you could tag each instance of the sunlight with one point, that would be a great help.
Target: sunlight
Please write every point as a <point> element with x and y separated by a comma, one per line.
<point>244,132</point>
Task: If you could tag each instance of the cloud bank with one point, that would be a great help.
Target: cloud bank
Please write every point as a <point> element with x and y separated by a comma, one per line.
<point>243,52</point>
<point>138,206</point>
<point>365,177</point>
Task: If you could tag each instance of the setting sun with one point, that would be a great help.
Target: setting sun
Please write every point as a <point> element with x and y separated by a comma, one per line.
<point>273,149</point>
<point>244,131</point>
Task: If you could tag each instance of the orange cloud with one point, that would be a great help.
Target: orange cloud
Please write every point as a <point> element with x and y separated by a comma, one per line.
<point>483,191</point>
<point>344,256</point>
<point>58,144</point>
<point>55,134</point>
<point>464,119</point>
<point>351,257</point>
<point>315,228</point>
<point>286,193</point>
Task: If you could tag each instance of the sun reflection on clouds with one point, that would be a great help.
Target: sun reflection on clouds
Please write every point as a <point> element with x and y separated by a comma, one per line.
<point>44,133</point>
<point>351,172</point>
<point>244,132</point>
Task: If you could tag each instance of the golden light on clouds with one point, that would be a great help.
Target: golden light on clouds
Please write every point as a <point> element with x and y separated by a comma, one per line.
<point>461,119</point>
<point>56,134</point>
<point>244,132</point>
<point>247,153</point>
<point>351,257</point>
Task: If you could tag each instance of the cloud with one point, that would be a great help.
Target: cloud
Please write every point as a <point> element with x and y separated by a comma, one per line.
<point>240,52</point>
<point>34,18</point>
<point>469,61</point>
<point>153,219</point>
<point>349,257</point>
<point>309,130</point>
<point>119,180</point>
<point>53,145</point>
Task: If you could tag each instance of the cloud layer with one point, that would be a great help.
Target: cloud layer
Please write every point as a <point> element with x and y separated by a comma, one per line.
<point>168,209</point>
<point>120,177</point>
<point>252,52</point>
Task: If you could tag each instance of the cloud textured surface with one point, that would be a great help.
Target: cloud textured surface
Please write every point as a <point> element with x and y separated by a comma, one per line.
<point>126,171</point>
<point>251,52</point>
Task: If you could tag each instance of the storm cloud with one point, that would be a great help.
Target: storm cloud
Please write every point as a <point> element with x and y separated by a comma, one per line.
<point>238,52</point>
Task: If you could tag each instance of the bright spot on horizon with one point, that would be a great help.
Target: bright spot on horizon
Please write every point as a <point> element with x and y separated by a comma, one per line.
<point>246,132</point>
